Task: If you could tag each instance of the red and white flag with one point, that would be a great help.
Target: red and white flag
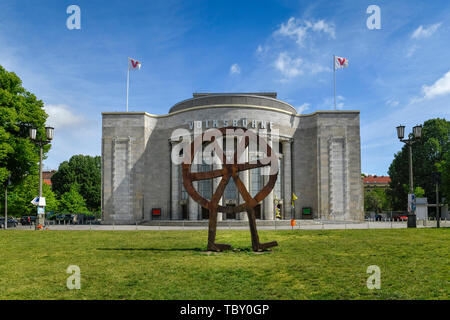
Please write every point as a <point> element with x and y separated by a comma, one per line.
<point>340,63</point>
<point>133,64</point>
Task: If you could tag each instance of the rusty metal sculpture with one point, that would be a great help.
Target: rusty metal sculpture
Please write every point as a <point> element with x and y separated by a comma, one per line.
<point>230,170</point>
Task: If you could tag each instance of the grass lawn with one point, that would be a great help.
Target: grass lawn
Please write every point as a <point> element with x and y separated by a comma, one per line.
<point>329,264</point>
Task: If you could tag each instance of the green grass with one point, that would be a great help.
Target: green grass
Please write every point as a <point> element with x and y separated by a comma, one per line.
<point>328,264</point>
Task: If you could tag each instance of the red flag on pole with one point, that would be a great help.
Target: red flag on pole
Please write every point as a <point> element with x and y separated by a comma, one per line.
<point>133,64</point>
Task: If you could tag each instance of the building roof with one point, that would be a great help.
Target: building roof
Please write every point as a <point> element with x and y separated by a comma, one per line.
<point>272,95</point>
<point>377,180</point>
<point>262,100</point>
<point>47,176</point>
<point>421,201</point>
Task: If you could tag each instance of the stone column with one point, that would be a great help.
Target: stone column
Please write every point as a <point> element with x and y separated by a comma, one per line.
<point>244,176</point>
<point>175,197</point>
<point>216,181</point>
<point>192,205</point>
<point>287,183</point>
<point>268,202</point>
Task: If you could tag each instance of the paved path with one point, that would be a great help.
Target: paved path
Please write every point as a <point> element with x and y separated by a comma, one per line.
<point>311,225</point>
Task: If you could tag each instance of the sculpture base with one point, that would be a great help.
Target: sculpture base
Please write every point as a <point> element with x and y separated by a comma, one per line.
<point>412,221</point>
<point>218,247</point>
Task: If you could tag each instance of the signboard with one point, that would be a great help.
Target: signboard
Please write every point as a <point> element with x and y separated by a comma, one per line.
<point>35,201</point>
<point>42,202</point>
<point>40,210</point>
<point>39,201</point>
<point>411,203</point>
<point>156,213</point>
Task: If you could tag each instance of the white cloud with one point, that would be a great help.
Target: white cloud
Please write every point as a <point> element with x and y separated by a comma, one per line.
<point>328,103</point>
<point>340,102</point>
<point>392,103</point>
<point>439,88</point>
<point>303,108</point>
<point>422,32</point>
<point>288,66</point>
<point>411,51</point>
<point>298,29</point>
<point>321,25</point>
<point>235,69</point>
<point>317,68</point>
<point>262,49</point>
<point>61,116</point>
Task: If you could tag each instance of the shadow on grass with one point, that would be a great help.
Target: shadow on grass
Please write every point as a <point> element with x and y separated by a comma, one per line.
<point>198,250</point>
<point>153,249</point>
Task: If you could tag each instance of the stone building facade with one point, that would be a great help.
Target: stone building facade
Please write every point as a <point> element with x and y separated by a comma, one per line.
<point>319,160</point>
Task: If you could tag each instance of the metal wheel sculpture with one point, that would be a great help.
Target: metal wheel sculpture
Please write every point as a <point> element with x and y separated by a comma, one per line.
<point>228,171</point>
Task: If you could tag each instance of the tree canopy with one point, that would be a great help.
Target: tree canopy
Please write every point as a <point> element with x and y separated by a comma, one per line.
<point>72,201</point>
<point>429,154</point>
<point>84,171</point>
<point>19,156</point>
<point>20,196</point>
<point>444,169</point>
<point>377,200</point>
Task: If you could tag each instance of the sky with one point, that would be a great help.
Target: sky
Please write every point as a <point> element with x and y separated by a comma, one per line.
<point>398,74</point>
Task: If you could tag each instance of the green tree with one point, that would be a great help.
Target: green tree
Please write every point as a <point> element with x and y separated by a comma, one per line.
<point>72,201</point>
<point>20,196</point>
<point>377,200</point>
<point>428,156</point>
<point>84,171</point>
<point>19,157</point>
<point>419,192</point>
<point>444,169</point>
<point>373,201</point>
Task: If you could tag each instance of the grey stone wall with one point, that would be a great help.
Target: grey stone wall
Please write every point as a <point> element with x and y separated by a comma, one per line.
<point>123,169</point>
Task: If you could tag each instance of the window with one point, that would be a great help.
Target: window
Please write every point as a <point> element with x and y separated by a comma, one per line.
<point>255,178</point>
<point>230,190</point>
<point>184,194</point>
<point>277,187</point>
<point>205,186</point>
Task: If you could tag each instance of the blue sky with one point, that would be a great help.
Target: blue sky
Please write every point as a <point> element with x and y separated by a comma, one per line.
<point>398,74</point>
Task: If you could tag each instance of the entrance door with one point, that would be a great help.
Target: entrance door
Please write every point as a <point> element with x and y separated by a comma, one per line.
<point>184,211</point>
<point>231,198</point>
<point>205,213</point>
<point>258,211</point>
<point>231,215</point>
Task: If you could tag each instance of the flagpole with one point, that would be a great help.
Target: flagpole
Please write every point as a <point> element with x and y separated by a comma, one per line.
<point>128,79</point>
<point>334,73</point>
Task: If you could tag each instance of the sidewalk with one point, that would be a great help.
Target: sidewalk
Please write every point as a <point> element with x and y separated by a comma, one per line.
<point>278,225</point>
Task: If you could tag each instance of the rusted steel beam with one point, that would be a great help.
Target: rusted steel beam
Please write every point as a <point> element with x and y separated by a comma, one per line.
<point>230,171</point>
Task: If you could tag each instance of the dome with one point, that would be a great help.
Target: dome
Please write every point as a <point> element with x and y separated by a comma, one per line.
<point>265,100</point>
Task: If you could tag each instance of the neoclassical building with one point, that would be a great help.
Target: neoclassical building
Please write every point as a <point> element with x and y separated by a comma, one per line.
<point>319,160</point>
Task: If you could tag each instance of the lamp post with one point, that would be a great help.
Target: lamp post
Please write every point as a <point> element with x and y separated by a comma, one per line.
<point>412,138</point>
<point>49,134</point>
<point>437,182</point>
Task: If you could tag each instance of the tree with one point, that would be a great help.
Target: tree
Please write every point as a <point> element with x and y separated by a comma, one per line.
<point>444,169</point>
<point>84,171</point>
<point>373,202</point>
<point>72,201</point>
<point>19,108</point>
<point>419,192</point>
<point>428,156</point>
<point>377,200</point>
<point>20,196</point>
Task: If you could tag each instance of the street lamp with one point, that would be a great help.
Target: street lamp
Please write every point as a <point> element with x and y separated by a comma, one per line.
<point>412,138</point>
<point>41,143</point>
